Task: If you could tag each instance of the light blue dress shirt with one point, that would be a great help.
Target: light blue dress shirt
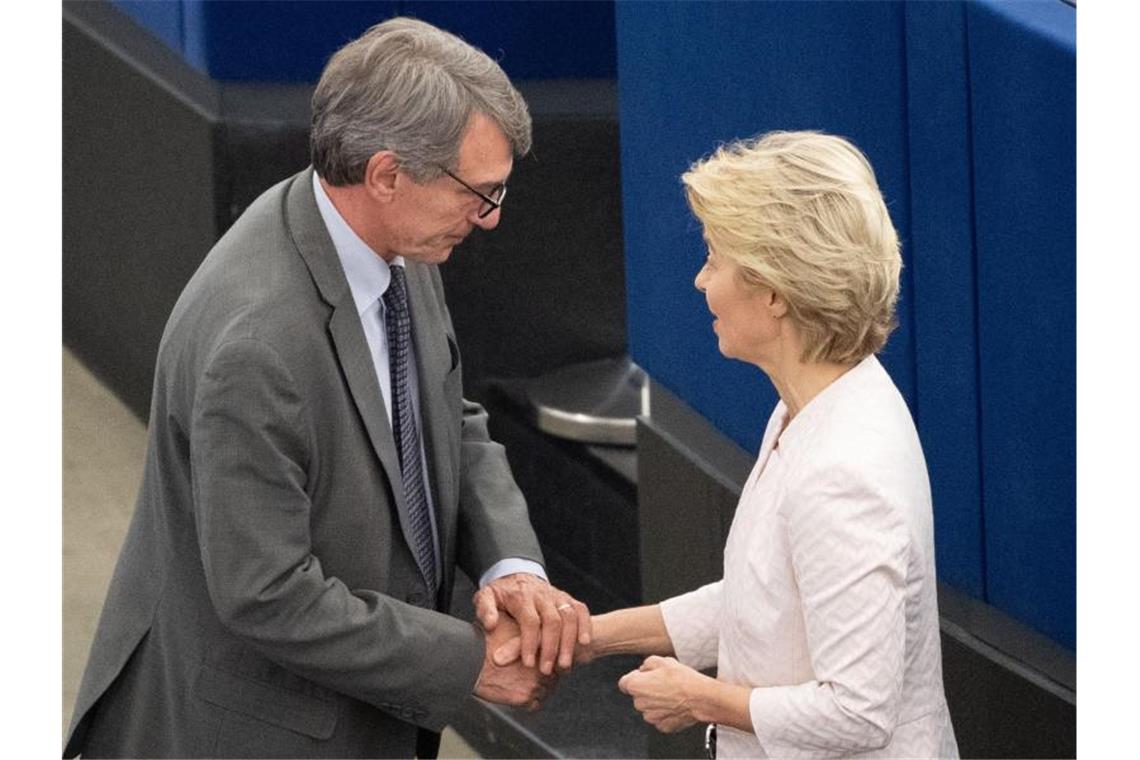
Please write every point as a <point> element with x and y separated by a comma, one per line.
<point>368,278</point>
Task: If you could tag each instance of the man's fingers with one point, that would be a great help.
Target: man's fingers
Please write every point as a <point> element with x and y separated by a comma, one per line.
<point>585,622</point>
<point>486,610</point>
<point>529,624</point>
<point>569,635</point>
<point>551,635</point>
<point>541,693</point>
<point>551,622</point>
<point>508,653</point>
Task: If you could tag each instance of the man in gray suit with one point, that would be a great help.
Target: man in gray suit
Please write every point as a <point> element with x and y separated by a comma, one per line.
<point>313,474</point>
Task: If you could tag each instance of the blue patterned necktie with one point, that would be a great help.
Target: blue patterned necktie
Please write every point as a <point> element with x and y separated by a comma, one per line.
<point>399,326</point>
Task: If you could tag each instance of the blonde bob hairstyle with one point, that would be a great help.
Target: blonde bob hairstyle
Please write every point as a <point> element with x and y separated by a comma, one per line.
<point>801,213</point>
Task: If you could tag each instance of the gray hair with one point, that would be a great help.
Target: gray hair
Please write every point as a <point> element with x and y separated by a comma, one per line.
<point>408,87</point>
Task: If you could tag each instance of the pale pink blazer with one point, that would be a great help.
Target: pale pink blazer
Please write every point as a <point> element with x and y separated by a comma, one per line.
<point>828,607</point>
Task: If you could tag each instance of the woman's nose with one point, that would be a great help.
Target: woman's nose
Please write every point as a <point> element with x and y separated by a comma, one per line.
<point>698,281</point>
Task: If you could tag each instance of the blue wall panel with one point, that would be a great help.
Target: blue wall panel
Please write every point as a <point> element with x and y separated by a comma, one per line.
<point>1023,92</point>
<point>967,112</point>
<point>290,40</point>
<point>532,40</point>
<point>281,41</point>
<point>692,75</point>
<point>942,270</point>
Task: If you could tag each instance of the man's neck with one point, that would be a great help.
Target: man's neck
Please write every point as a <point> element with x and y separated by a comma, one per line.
<point>352,203</point>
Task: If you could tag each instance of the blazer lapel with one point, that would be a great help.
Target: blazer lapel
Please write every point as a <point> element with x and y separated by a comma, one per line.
<point>316,248</point>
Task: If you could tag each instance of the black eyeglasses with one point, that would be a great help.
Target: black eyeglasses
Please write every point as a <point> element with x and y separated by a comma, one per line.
<point>490,202</point>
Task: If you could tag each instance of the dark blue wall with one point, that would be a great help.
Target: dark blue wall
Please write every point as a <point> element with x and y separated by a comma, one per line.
<point>290,41</point>
<point>692,75</point>
<point>967,112</point>
<point>1023,96</point>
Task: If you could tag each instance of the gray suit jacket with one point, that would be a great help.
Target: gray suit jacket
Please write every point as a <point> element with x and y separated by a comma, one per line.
<point>266,602</point>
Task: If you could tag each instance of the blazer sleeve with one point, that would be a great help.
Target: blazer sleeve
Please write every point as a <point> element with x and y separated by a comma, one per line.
<point>250,448</point>
<point>693,622</point>
<point>849,551</point>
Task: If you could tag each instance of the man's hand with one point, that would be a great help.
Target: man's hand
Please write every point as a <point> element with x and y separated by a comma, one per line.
<point>513,684</point>
<point>552,622</point>
<point>583,653</point>
<point>666,693</point>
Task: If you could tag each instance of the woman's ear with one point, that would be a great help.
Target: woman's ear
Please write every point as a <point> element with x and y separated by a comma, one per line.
<point>777,304</point>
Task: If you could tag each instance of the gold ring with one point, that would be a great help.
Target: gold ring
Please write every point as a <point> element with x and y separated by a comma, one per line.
<point>564,607</point>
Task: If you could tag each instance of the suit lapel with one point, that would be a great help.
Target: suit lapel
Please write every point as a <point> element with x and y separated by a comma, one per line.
<point>316,248</point>
<point>356,361</point>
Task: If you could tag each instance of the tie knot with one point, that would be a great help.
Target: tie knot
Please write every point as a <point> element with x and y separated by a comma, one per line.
<point>396,295</point>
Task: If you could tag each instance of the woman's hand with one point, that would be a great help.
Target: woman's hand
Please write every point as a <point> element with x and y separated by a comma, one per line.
<point>666,693</point>
<point>672,696</point>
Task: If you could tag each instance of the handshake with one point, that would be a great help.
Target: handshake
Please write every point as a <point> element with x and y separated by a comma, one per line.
<point>532,632</point>
<point>544,631</point>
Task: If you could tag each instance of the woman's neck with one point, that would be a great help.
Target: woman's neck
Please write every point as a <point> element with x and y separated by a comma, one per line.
<point>798,384</point>
<point>797,381</point>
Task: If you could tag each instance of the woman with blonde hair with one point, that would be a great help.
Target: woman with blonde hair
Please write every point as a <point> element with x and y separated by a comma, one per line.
<point>824,627</point>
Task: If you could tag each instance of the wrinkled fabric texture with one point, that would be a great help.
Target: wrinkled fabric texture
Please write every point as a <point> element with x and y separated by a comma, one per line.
<point>828,605</point>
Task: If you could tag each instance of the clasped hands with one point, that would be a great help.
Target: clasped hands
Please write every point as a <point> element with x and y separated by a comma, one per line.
<point>534,632</point>
<point>531,632</point>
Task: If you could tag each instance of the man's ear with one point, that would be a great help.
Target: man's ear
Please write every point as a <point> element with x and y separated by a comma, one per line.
<point>380,175</point>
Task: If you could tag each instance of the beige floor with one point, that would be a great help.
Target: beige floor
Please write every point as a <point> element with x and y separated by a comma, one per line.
<point>103,447</point>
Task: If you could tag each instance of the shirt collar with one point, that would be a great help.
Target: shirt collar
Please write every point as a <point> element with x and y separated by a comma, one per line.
<point>367,273</point>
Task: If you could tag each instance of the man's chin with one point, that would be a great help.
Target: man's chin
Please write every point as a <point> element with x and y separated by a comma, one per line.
<point>443,253</point>
<point>434,255</point>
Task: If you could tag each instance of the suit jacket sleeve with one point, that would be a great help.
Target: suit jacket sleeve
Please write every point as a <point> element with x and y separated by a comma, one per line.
<point>493,519</point>
<point>251,446</point>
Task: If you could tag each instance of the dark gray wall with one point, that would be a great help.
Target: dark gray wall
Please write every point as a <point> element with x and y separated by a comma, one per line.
<point>139,198</point>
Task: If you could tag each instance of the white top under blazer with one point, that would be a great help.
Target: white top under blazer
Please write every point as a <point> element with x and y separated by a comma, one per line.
<point>828,604</point>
